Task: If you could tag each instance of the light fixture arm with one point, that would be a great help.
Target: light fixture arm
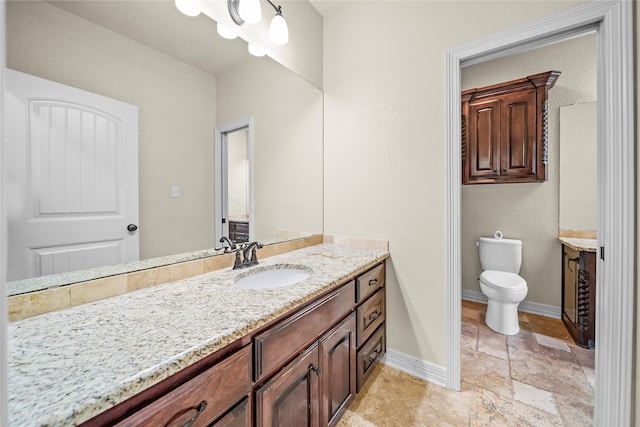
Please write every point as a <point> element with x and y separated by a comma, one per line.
<point>277,8</point>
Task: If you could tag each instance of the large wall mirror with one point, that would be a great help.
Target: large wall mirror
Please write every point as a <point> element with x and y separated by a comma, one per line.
<point>185,81</point>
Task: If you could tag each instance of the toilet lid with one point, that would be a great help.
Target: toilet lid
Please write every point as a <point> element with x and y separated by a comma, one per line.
<point>502,280</point>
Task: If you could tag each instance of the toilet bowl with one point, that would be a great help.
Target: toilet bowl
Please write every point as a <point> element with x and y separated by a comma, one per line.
<point>505,291</point>
<point>500,283</point>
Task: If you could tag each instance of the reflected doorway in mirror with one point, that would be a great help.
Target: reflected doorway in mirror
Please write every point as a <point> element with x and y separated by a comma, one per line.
<point>234,180</point>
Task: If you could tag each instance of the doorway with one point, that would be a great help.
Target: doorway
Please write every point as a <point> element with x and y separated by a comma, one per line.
<point>234,217</point>
<point>616,188</point>
<point>543,352</point>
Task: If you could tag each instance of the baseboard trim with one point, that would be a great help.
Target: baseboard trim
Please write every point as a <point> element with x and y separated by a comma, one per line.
<point>422,369</point>
<point>525,306</point>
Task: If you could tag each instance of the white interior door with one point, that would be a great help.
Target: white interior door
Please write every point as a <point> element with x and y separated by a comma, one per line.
<point>71,178</point>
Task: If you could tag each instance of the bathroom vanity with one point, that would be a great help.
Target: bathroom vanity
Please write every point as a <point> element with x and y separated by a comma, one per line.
<point>579,289</point>
<point>203,352</point>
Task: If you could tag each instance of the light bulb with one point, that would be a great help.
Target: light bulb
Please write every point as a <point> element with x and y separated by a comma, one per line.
<point>278,30</point>
<point>188,7</point>
<point>226,32</point>
<point>250,11</point>
<point>256,50</point>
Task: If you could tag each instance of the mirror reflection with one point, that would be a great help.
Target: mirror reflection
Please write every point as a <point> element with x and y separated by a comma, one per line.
<point>185,81</point>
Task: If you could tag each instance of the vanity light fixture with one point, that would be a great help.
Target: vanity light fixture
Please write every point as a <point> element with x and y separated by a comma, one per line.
<point>189,7</point>
<point>256,50</point>
<point>250,11</point>
<point>278,30</point>
<point>242,11</point>
<point>226,32</point>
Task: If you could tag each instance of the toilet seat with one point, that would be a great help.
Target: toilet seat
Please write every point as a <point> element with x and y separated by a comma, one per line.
<point>502,280</point>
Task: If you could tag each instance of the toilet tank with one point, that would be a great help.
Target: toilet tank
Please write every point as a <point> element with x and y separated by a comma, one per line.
<point>500,254</point>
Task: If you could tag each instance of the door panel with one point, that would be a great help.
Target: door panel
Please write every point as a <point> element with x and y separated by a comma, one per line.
<point>291,397</point>
<point>519,134</point>
<point>484,138</point>
<point>338,354</point>
<point>72,175</point>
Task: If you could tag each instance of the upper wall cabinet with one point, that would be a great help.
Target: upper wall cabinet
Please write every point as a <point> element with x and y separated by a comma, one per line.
<point>504,131</point>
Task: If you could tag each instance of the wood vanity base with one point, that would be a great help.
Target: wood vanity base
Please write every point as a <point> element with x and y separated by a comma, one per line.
<point>303,367</point>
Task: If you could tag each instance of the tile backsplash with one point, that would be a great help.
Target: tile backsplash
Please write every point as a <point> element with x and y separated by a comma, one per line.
<point>39,302</point>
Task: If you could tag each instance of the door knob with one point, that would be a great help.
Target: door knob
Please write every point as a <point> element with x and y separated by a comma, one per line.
<point>132,227</point>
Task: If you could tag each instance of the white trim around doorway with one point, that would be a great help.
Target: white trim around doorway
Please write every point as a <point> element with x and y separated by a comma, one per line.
<point>615,299</point>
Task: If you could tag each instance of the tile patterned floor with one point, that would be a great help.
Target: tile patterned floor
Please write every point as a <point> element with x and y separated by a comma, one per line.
<point>536,378</point>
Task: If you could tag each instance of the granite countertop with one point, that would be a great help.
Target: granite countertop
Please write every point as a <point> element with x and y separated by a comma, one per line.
<point>68,366</point>
<point>584,245</point>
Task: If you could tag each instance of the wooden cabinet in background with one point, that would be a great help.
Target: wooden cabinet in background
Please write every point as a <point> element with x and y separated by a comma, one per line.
<point>505,131</point>
<point>579,295</point>
<point>238,231</point>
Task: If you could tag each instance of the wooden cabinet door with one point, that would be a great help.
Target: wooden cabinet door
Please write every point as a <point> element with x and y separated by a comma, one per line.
<point>484,139</point>
<point>290,399</point>
<point>238,416</point>
<point>518,139</point>
<point>338,375</point>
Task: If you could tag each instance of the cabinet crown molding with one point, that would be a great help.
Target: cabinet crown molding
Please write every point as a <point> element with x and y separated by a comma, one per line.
<point>547,79</point>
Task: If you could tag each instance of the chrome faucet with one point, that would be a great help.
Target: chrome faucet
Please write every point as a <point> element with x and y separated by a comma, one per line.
<point>249,256</point>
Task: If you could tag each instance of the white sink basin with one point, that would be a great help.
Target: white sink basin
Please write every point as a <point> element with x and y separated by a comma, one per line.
<point>276,276</point>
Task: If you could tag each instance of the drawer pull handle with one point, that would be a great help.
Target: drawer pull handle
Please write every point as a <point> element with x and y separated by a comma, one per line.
<point>314,369</point>
<point>374,315</point>
<point>373,355</point>
<point>189,423</point>
<point>373,282</point>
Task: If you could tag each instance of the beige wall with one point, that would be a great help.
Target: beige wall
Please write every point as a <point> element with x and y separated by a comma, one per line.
<point>287,151</point>
<point>529,211</point>
<point>176,114</point>
<point>385,143</point>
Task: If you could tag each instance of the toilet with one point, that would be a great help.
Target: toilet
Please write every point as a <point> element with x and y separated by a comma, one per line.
<point>499,281</point>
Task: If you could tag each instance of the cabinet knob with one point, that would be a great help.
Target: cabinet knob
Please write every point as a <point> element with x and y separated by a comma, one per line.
<point>314,369</point>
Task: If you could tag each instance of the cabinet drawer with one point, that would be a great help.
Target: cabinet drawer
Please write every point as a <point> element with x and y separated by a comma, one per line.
<point>371,314</point>
<point>369,282</point>
<point>287,338</point>
<point>369,355</point>
<point>200,397</point>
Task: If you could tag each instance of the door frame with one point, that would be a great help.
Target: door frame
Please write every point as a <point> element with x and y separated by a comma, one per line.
<point>220,168</point>
<point>613,21</point>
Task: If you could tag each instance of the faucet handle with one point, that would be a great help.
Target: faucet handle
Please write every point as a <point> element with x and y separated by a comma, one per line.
<point>238,261</point>
<point>231,245</point>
